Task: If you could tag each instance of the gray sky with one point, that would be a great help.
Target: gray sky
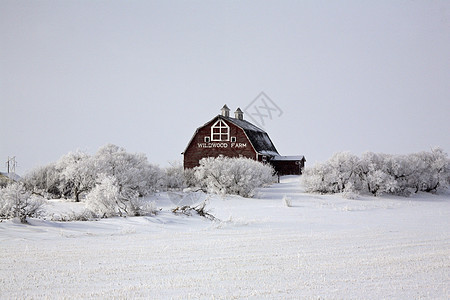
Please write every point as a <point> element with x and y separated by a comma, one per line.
<point>348,75</point>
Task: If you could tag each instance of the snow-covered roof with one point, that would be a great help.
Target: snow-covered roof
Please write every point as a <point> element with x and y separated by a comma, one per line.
<point>288,158</point>
<point>269,153</point>
<point>12,176</point>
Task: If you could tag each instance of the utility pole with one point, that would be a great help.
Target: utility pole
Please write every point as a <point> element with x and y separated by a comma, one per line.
<point>11,164</point>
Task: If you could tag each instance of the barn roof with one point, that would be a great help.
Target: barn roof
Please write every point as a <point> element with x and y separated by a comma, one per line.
<point>288,158</point>
<point>258,137</point>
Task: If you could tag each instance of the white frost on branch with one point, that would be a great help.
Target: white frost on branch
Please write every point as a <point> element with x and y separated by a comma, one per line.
<point>380,173</point>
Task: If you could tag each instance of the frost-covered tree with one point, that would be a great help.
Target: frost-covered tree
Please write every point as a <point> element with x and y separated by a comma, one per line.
<point>132,171</point>
<point>107,199</point>
<point>400,170</point>
<point>77,174</point>
<point>103,199</point>
<point>340,173</point>
<point>344,170</point>
<point>17,202</point>
<point>45,181</point>
<point>123,179</point>
<point>374,174</point>
<point>316,179</point>
<point>174,176</point>
<point>190,179</point>
<point>380,173</point>
<point>3,181</point>
<point>240,176</point>
<point>433,170</point>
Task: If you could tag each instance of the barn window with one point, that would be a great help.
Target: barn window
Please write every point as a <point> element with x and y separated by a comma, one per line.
<point>233,139</point>
<point>220,131</point>
<point>207,139</point>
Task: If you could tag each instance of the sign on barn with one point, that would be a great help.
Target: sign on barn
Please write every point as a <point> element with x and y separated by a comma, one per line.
<point>236,137</point>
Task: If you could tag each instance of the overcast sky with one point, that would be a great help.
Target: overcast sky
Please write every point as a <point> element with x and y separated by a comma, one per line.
<point>346,75</point>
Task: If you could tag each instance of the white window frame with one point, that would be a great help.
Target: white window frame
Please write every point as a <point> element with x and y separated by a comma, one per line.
<point>207,139</point>
<point>224,131</point>
<point>233,139</point>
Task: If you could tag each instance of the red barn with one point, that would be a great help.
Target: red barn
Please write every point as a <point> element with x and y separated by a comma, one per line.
<point>236,137</point>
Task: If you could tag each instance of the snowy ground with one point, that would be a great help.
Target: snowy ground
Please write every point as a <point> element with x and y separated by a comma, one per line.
<point>321,247</point>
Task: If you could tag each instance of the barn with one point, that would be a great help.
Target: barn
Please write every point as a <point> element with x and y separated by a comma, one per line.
<point>236,137</point>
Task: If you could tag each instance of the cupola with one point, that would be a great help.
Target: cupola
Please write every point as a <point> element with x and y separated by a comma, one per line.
<point>238,114</point>
<point>225,111</point>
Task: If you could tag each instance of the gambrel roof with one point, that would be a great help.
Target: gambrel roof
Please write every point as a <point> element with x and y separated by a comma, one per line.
<point>259,138</point>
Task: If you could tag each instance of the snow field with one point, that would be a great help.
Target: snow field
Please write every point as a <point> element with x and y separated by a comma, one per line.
<point>321,247</point>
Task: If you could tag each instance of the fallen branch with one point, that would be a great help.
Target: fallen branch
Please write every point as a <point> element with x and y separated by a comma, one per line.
<point>190,210</point>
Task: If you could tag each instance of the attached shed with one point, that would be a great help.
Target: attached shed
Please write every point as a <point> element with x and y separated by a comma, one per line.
<point>288,165</point>
<point>236,137</point>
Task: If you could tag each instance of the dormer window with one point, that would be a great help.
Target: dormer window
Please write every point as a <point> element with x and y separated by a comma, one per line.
<point>220,131</point>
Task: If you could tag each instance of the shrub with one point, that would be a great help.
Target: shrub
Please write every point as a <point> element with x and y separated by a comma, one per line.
<point>108,199</point>
<point>239,176</point>
<point>103,200</point>
<point>174,178</point>
<point>380,173</point>
<point>17,202</point>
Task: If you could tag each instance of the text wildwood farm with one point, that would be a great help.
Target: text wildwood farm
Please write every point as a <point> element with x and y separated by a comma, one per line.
<point>221,145</point>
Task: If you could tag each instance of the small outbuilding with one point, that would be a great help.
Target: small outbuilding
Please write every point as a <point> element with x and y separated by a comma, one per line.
<point>236,137</point>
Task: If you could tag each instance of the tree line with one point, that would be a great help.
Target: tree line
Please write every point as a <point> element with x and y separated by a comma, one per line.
<point>113,182</point>
<point>377,174</point>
